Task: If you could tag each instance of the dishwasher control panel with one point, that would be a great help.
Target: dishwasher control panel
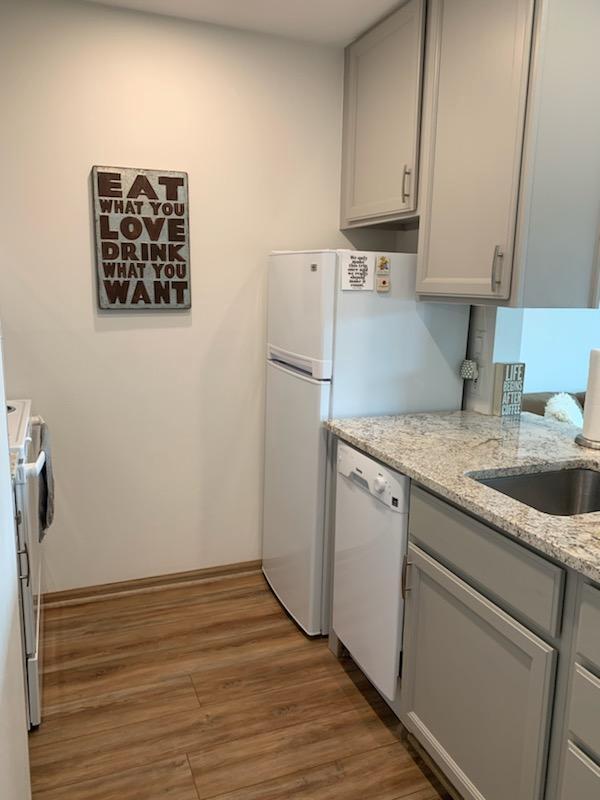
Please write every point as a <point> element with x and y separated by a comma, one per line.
<point>383,483</point>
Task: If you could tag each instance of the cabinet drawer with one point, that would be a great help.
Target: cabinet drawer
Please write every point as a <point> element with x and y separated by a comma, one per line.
<point>582,776</point>
<point>515,578</point>
<point>588,636</point>
<point>584,715</point>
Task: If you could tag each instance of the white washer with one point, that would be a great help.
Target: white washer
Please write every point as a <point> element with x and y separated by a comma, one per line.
<point>371,532</point>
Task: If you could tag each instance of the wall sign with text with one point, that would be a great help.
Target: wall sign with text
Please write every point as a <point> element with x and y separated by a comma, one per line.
<point>142,239</point>
<point>358,272</point>
<point>509,380</point>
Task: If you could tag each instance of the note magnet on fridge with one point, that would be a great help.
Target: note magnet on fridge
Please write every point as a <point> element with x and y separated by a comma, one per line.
<point>383,284</point>
<point>382,265</point>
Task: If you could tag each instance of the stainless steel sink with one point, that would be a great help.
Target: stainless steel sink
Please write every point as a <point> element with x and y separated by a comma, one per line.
<point>563,492</point>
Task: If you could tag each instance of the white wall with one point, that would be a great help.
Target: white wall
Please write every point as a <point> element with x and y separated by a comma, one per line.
<point>157,419</point>
<point>508,338</point>
<point>14,758</point>
<point>555,345</point>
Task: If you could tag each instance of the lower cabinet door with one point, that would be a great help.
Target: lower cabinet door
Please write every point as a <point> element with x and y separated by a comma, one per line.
<point>581,780</point>
<point>476,686</point>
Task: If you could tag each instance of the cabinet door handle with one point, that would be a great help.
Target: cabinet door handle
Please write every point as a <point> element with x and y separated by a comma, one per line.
<point>497,263</point>
<point>405,565</point>
<point>406,173</point>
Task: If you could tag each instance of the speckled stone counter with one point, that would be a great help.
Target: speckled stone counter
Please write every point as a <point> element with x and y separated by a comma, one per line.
<point>437,450</point>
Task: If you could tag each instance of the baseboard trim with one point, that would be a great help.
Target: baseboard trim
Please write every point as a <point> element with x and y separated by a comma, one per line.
<point>88,594</point>
<point>434,769</point>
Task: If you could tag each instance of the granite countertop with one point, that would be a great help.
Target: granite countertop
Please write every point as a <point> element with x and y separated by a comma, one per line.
<point>436,450</point>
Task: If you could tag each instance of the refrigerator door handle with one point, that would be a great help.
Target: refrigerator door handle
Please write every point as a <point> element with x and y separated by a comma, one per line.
<point>24,551</point>
<point>35,467</point>
<point>295,372</point>
<point>361,482</point>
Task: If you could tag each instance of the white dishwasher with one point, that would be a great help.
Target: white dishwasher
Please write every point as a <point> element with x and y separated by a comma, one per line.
<point>371,531</point>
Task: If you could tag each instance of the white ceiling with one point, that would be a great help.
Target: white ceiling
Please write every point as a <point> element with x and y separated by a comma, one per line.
<point>335,22</point>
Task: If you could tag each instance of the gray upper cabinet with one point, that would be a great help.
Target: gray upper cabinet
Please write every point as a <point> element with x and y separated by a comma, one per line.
<point>477,69</point>
<point>556,254</point>
<point>510,165</point>
<point>476,686</point>
<point>382,106</point>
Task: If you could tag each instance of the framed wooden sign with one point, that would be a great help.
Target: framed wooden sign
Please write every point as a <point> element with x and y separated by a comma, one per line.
<point>142,239</point>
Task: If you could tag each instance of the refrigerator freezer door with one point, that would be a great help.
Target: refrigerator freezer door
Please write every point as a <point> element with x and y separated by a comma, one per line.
<point>294,508</point>
<point>370,542</point>
<point>301,308</point>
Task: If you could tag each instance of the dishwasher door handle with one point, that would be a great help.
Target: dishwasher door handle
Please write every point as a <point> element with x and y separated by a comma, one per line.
<point>358,479</point>
<point>405,565</point>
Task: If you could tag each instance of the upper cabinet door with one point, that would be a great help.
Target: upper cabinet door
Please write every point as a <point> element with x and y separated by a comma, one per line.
<point>558,227</point>
<point>381,119</point>
<point>475,96</point>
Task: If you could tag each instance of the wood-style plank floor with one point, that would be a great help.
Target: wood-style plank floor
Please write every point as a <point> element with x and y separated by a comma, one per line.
<point>208,690</point>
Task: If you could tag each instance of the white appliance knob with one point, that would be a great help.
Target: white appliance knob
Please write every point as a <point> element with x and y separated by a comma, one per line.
<point>379,484</point>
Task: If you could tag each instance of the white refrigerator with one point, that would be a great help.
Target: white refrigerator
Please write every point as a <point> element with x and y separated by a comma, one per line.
<point>14,755</point>
<point>345,337</point>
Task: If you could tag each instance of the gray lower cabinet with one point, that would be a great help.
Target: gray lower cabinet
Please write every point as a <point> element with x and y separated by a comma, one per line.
<point>581,765</point>
<point>584,716</point>
<point>581,778</point>
<point>524,584</point>
<point>476,686</point>
<point>588,630</point>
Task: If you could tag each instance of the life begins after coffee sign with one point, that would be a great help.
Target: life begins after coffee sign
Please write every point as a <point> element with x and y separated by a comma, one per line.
<point>142,239</point>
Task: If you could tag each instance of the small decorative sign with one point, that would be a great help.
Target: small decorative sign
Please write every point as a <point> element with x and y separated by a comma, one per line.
<point>382,274</point>
<point>358,273</point>
<point>508,389</point>
<point>142,239</point>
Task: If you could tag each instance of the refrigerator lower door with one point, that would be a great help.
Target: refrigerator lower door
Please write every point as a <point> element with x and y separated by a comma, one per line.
<point>29,548</point>
<point>34,666</point>
<point>34,691</point>
<point>26,572</point>
<point>294,494</point>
